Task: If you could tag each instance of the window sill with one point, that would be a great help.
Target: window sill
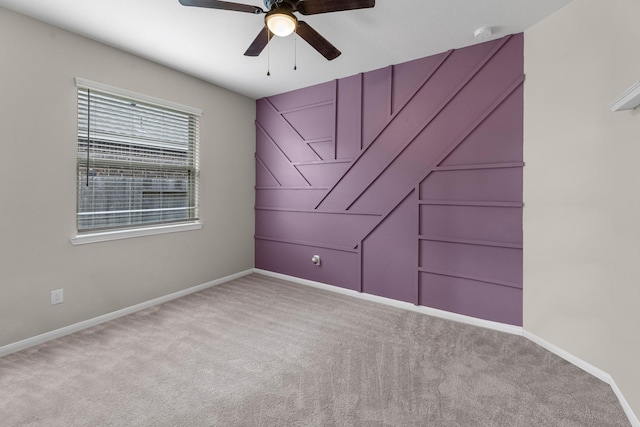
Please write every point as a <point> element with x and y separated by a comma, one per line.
<point>105,236</point>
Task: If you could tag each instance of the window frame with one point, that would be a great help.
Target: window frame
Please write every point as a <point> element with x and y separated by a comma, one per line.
<point>138,230</point>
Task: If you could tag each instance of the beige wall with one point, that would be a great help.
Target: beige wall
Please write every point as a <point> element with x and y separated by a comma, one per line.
<point>38,64</point>
<point>582,187</point>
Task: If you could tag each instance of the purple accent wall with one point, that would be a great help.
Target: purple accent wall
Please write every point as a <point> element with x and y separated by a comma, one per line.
<point>407,181</point>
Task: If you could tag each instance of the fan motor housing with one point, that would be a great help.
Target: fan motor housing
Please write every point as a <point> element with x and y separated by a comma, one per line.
<point>274,4</point>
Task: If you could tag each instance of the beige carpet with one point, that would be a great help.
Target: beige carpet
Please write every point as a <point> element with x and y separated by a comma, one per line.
<point>263,352</point>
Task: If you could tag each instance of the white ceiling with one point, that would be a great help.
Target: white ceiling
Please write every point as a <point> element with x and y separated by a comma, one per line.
<point>209,44</point>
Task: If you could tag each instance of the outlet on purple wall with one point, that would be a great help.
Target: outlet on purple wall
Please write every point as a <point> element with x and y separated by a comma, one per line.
<point>406,181</point>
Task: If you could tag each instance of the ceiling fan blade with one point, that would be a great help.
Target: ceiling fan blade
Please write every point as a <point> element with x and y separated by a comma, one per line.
<point>260,42</point>
<point>312,7</point>
<point>316,41</point>
<point>223,5</point>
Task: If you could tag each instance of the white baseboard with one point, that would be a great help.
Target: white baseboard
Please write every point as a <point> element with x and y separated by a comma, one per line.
<point>488,324</point>
<point>516,330</point>
<point>48,336</point>
<point>587,367</point>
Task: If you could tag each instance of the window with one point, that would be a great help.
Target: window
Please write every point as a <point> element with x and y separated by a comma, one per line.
<point>137,162</point>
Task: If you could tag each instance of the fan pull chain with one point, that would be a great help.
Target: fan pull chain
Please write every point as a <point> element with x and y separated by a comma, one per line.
<point>268,53</point>
<point>295,49</point>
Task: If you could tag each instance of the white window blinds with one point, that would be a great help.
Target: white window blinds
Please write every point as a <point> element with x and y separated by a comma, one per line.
<point>137,162</point>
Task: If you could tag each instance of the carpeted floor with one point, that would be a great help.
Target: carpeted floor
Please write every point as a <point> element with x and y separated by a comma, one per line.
<point>263,352</point>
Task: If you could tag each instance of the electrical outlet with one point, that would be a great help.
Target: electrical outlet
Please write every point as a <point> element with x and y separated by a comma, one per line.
<point>57,296</point>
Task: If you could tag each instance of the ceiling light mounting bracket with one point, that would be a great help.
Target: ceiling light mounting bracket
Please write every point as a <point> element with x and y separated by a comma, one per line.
<point>271,4</point>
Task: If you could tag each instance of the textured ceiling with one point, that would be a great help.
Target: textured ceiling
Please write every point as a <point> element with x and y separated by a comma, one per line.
<point>209,44</point>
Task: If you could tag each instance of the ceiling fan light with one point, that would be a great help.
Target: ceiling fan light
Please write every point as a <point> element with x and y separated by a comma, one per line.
<point>281,23</point>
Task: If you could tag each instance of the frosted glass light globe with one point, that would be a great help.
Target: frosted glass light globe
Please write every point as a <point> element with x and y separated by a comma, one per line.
<point>281,24</point>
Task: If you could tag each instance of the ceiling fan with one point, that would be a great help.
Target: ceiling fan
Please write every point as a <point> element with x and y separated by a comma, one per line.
<point>281,21</point>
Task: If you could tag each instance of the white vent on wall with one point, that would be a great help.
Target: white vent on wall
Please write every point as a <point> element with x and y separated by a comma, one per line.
<point>629,99</point>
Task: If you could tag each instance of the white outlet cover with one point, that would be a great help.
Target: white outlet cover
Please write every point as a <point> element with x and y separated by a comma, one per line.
<point>57,296</point>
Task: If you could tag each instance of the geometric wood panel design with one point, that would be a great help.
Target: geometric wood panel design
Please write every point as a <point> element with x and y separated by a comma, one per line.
<point>407,181</point>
